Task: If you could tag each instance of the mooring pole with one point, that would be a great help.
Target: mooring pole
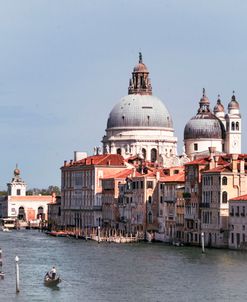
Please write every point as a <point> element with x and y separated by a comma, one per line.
<point>98,234</point>
<point>1,259</point>
<point>202,235</point>
<point>17,274</point>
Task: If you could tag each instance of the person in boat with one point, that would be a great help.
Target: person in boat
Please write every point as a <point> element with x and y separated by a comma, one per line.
<point>53,273</point>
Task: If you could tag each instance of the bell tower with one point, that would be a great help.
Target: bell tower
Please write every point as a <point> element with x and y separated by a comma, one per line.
<point>233,127</point>
<point>17,187</point>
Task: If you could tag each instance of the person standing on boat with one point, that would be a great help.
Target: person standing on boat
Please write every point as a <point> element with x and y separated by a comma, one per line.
<point>53,272</point>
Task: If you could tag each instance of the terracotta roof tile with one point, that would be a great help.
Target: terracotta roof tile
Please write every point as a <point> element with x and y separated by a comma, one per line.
<point>101,160</point>
<point>47,198</point>
<point>180,177</point>
<point>242,197</point>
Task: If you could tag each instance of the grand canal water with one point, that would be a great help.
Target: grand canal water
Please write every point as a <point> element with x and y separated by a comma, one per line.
<point>113,272</point>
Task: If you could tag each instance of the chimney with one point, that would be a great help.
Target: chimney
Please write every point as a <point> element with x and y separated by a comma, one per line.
<point>242,166</point>
<point>78,155</point>
<point>234,163</point>
<point>212,151</point>
<point>211,157</point>
<point>158,175</point>
<point>216,159</point>
<point>71,162</point>
<point>65,163</point>
<point>91,161</point>
<point>53,197</point>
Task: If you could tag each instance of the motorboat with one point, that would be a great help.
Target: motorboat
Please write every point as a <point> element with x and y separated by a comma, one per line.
<point>49,281</point>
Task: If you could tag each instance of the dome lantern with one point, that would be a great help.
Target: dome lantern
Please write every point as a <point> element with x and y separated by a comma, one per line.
<point>140,82</point>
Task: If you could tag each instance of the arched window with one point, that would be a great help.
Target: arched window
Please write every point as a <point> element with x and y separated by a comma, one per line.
<point>149,199</point>
<point>150,217</point>
<point>224,181</point>
<point>40,214</point>
<point>144,153</point>
<point>21,213</point>
<point>224,197</point>
<point>233,126</point>
<point>237,125</point>
<point>153,155</point>
<point>119,151</point>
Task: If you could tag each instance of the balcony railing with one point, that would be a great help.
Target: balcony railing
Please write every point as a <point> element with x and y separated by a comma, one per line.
<point>204,205</point>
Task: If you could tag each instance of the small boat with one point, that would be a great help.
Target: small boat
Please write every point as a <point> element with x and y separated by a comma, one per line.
<point>57,234</point>
<point>49,281</point>
<point>4,229</point>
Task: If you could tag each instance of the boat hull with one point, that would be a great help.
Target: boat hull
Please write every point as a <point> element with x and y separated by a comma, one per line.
<point>52,282</point>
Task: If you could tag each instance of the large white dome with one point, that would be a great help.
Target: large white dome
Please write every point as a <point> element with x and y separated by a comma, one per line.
<point>136,110</point>
<point>139,124</point>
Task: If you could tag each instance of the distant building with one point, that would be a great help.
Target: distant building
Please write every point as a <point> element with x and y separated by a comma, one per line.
<point>18,205</point>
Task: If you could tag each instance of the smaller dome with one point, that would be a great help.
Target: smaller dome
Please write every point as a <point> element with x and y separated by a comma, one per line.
<point>205,125</point>
<point>219,107</point>
<point>233,104</point>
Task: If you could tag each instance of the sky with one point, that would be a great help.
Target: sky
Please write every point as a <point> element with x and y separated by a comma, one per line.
<point>65,63</point>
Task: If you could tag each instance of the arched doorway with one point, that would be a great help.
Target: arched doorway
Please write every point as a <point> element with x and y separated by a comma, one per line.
<point>21,213</point>
<point>41,214</point>
<point>153,155</point>
<point>144,153</point>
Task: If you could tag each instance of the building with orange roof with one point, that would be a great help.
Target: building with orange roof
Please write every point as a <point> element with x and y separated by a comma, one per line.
<point>238,222</point>
<point>171,205</point>
<point>220,183</point>
<point>110,196</point>
<point>81,189</point>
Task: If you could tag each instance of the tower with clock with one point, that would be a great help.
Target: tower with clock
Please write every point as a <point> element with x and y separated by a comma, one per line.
<point>233,127</point>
